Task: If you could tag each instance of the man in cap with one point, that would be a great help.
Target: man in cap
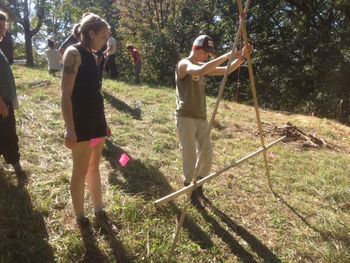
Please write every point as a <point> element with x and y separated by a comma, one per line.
<point>191,115</point>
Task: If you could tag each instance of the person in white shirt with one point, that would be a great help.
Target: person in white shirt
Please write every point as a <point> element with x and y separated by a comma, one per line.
<point>54,58</point>
<point>109,53</point>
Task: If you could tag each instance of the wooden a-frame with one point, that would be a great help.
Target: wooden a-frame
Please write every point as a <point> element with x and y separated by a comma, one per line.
<point>189,189</point>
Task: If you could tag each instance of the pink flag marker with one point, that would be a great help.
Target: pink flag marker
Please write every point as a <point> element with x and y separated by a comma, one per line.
<point>271,155</point>
<point>124,159</point>
<point>94,142</point>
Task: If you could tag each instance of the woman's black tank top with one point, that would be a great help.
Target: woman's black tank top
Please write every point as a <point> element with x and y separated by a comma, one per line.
<point>86,96</point>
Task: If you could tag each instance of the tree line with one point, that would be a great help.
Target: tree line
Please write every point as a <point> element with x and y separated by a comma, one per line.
<point>301,58</point>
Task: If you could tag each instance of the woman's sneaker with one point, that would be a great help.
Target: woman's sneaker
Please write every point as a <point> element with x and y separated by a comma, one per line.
<point>83,223</point>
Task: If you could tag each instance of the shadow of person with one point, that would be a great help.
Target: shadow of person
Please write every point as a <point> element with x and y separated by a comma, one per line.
<point>93,253</point>
<point>236,248</point>
<point>23,234</point>
<point>110,231</point>
<point>147,181</point>
<point>326,235</point>
<point>120,105</point>
<point>259,248</point>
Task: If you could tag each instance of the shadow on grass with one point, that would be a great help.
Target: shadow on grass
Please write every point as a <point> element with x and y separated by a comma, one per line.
<point>110,231</point>
<point>326,235</point>
<point>93,253</point>
<point>259,248</point>
<point>23,234</point>
<point>122,106</point>
<point>147,181</point>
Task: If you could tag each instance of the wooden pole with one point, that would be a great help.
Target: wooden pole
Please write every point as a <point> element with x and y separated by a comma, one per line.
<point>255,99</point>
<point>208,178</point>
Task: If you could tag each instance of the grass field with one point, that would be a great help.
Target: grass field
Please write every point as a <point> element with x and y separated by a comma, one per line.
<point>307,220</point>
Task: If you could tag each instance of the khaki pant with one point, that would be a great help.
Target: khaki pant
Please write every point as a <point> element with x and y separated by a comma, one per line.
<point>191,134</point>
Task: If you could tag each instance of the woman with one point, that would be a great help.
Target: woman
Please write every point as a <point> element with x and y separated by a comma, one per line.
<point>54,58</point>
<point>83,113</point>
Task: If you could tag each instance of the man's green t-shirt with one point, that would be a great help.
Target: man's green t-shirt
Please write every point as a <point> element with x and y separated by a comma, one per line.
<point>190,97</point>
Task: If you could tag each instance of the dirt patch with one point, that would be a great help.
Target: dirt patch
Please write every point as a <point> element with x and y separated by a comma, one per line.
<point>296,135</point>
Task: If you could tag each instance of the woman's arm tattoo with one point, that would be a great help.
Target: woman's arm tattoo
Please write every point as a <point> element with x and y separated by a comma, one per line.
<point>70,63</point>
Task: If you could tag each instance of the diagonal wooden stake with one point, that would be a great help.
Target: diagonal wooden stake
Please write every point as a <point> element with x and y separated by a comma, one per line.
<point>196,172</point>
<point>208,178</point>
<point>255,99</point>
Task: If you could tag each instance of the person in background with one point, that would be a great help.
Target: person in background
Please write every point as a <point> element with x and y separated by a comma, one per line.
<point>9,148</point>
<point>101,59</point>
<point>137,62</point>
<point>83,113</point>
<point>191,114</point>
<point>109,54</point>
<point>54,58</point>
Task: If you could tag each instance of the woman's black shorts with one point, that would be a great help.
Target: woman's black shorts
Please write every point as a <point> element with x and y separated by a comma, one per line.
<point>89,126</point>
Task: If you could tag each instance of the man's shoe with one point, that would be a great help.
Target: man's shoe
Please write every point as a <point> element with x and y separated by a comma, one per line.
<point>199,191</point>
<point>195,201</point>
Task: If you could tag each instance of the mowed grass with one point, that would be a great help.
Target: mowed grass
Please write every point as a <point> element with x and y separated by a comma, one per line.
<point>307,220</point>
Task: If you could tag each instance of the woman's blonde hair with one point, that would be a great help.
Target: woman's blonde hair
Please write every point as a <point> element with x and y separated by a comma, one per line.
<point>89,22</point>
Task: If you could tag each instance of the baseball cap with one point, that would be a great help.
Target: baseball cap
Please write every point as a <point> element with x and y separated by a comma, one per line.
<point>205,42</point>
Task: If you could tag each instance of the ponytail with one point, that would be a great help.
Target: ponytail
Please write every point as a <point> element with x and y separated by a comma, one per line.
<point>76,31</point>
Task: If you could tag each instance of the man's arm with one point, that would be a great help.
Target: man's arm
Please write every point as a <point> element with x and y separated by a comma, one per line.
<point>109,47</point>
<point>220,71</point>
<point>105,53</point>
<point>186,67</point>
<point>241,56</point>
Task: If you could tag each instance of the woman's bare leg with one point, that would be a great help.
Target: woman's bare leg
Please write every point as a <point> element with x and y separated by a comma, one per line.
<point>81,154</point>
<point>93,176</point>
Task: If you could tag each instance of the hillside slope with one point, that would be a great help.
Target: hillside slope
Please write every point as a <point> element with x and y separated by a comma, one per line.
<point>307,220</point>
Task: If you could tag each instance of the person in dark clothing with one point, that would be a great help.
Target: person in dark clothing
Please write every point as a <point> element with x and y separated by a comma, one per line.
<point>83,113</point>
<point>9,148</point>
<point>6,46</point>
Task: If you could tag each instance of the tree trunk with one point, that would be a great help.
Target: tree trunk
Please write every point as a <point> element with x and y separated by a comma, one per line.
<point>28,43</point>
